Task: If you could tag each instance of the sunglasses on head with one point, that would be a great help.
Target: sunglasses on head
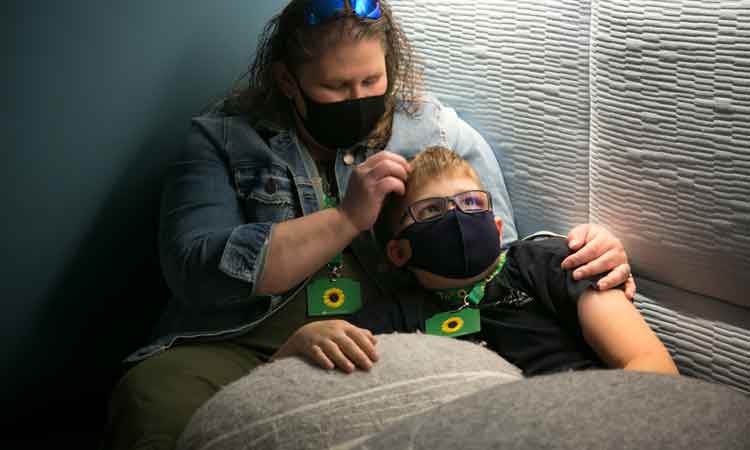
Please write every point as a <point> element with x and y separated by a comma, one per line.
<point>320,11</point>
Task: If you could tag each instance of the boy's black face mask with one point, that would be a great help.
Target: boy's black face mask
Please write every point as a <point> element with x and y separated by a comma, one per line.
<point>341,124</point>
<point>457,245</point>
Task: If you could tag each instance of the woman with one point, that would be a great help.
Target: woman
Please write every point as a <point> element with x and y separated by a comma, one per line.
<point>279,186</point>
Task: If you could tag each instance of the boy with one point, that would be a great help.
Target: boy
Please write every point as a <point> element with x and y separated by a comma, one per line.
<point>519,302</point>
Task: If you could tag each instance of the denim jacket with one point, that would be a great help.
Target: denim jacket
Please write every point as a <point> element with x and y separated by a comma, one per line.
<point>222,197</point>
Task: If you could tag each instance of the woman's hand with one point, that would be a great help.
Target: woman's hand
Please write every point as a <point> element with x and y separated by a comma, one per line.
<point>379,175</point>
<point>332,343</point>
<point>599,251</point>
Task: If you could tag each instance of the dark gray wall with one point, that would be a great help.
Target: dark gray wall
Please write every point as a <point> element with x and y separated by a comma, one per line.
<point>97,99</point>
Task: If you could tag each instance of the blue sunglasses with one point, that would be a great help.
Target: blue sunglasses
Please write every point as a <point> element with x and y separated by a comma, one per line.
<point>319,11</point>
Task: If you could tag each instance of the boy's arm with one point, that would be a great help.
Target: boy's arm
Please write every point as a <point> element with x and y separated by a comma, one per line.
<point>616,331</point>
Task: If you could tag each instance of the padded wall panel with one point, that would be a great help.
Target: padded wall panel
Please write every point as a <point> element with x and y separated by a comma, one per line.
<point>518,72</point>
<point>670,167</point>
<point>707,349</point>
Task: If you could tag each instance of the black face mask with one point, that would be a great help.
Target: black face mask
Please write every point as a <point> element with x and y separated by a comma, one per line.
<point>458,245</point>
<point>342,124</point>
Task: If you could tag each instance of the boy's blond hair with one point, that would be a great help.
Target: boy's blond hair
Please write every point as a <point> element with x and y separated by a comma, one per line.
<point>430,163</point>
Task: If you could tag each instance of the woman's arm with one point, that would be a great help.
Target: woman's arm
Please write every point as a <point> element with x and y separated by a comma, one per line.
<point>300,247</point>
<point>210,255</point>
<point>616,331</point>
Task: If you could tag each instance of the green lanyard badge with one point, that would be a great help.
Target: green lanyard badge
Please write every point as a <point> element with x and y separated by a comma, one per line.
<point>333,295</point>
<point>465,319</point>
<point>454,323</point>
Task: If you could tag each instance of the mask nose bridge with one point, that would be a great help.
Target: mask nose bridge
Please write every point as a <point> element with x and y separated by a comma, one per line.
<point>459,220</point>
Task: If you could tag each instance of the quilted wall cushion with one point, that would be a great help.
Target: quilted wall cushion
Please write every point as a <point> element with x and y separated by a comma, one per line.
<point>518,72</point>
<point>670,140</point>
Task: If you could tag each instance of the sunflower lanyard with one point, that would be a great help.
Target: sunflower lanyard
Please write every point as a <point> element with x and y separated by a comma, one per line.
<point>466,318</point>
<point>334,294</point>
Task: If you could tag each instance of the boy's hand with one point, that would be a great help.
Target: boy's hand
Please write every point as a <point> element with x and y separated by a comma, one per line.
<point>332,343</point>
<point>598,251</point>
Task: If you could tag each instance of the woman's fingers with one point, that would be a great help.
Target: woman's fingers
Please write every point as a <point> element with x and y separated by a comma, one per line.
<point>604,263</point>
<point>387,185</point>
<point>378,157</point>
<point>332,351</point>
<point>586,254</point>
<point>317,354</point>
<point>630,288</point>
<point>577,236</point>
<point>615,277</point>
<point>364,339</point>
<point>369,334</point>
<point>369,183</point>
<point>353,352</point>
<point>388,168</point>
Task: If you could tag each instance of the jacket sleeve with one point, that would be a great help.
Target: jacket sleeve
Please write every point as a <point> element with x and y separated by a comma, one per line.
<point>468,143</point>
<point>209,256</point>
<point>534,267</point>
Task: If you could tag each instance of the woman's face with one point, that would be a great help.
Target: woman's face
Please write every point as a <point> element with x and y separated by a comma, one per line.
<point>346,71</point>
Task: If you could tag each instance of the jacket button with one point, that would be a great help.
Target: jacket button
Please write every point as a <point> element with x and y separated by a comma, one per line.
<point>271,186</point>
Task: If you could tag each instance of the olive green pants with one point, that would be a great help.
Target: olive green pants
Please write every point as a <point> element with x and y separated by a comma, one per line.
<point>153,402</point>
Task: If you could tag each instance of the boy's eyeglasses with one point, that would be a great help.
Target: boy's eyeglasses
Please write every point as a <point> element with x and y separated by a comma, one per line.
<point>433,208</point>
<point>320,11</point>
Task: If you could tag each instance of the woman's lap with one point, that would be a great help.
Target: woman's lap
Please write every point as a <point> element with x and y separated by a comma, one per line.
<point>154,400</point>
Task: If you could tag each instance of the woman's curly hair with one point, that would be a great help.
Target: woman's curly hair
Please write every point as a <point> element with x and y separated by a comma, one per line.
<point>287,38</point>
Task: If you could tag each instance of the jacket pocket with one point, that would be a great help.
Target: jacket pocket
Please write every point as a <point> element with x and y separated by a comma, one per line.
<point>266,192</point>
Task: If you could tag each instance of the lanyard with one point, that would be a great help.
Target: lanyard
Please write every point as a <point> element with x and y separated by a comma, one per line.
<point>470,297</point>
<point>334,295</point>
<point>337,262</point>
<point>466,318</point>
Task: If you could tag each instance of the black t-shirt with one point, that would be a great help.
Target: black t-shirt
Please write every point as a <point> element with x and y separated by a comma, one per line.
<point>529,312</point>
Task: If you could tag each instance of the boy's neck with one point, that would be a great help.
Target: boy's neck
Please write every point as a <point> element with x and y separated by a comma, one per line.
<point>471,282</point>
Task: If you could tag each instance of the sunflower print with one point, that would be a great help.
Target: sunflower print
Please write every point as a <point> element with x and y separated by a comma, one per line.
<point>452,324</point>
<point>334,298</point>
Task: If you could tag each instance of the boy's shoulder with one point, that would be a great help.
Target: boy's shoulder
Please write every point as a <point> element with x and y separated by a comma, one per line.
<point>548,246</point>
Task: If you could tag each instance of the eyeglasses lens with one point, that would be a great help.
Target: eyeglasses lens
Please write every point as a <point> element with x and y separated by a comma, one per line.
<point>472,201</point>
<point>428,209</point>
<point>433,208</point>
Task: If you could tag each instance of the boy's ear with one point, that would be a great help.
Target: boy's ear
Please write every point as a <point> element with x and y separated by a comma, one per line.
<point>499,225</point>
<point>398,251</point>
